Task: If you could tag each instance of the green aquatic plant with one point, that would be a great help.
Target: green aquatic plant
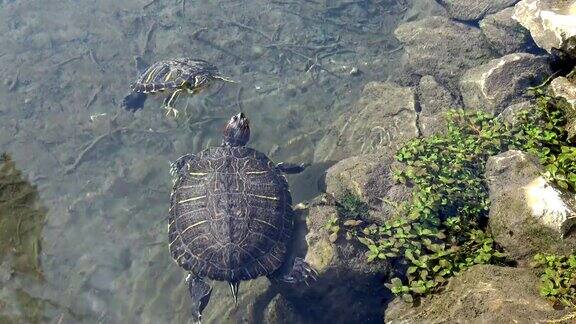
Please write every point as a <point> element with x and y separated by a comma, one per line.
<point>542,133</point>
<point>557,278</point>
<point>441,231</point>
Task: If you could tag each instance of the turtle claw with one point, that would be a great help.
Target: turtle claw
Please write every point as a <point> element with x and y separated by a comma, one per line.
<point>301,272</point>
<point>171,111</point>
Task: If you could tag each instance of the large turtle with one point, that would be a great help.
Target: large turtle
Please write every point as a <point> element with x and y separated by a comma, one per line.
<point>231,217</point>
<point>172,77</point>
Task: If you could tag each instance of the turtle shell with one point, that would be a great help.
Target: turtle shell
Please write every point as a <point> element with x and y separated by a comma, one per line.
<point>180,73</point>
<point>230,214</point>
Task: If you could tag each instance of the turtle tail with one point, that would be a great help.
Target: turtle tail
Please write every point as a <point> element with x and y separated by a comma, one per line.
<point>134,101</point>
<point>234,290</point>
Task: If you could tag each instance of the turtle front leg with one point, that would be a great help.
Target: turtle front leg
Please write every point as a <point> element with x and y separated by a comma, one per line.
<point>292,168</point>
<point>168,104</point>
<point>177,166</point>
<point>301,272</point>
<point>133,101</point>
<point>200,292</point>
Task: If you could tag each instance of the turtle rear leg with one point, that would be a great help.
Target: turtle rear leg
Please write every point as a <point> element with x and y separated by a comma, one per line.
<point>300,272</point>
<point>169,103</point>
<point>291,168</point>
<point>134,101</point>
<point>200,292</point>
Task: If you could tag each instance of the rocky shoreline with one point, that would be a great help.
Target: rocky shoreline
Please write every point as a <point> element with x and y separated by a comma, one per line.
<point>479,56</point>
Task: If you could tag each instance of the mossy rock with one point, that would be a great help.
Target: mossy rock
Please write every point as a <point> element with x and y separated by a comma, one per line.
<point>21,221</point>
<point>482,294</point>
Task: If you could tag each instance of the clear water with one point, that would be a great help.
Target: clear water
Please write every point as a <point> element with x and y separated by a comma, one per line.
<point>95,250</point>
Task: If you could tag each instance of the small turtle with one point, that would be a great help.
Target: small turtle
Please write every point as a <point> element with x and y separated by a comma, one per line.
<point>231,217</point>
<point>172,77</point>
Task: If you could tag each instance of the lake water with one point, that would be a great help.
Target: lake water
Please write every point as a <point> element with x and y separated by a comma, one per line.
<point>86,185</point>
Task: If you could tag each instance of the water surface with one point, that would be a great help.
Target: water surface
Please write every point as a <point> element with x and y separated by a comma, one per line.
<point>93,245</point>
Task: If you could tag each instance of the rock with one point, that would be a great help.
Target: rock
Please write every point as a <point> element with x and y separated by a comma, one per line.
<point>482,294</point>
<point>434,100</point>
<point>502,82</point>
<point>442,48</point>
<point>424,8</point>
<point>474,9</point>
<point>383,119</point>
<point>562,87</point>
<point>280,311</point>
<point>346,279</point>
<point>510,115</point>
<point>506,35</point>
<point>368,177</point>
<point>528,214</point>
<point>550,22</point>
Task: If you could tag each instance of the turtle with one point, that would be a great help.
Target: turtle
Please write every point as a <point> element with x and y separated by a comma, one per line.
<point>172,77</point>
<point>230,217</point>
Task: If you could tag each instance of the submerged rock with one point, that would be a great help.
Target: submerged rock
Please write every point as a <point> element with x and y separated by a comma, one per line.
<point>482,294</point>
<point>442,47</point>
<point>528,214</point>
<point>383,118</point>
<point>502,82</point>
<point>434,101</point>
<point>474,9</point>
<point>506,35</point>
<point>281,311</point>
<point>550,22</point>
<point>562,87</point>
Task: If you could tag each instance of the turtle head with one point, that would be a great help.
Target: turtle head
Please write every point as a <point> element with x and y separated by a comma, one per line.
<point>237,131</point>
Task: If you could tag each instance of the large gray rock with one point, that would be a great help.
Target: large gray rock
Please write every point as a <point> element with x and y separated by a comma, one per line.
<point>482,294</point>
<point>503,81</point>
<point>442,47</point>
<point>506,35</point>
<point>383,119</point>
<point>550,22</point>
<point>434,100</point>
<point>528,214</point>
<point>565,88</point>
<point>474,9</point>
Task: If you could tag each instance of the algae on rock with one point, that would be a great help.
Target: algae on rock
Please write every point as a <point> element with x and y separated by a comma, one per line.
<point>21,221</point>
